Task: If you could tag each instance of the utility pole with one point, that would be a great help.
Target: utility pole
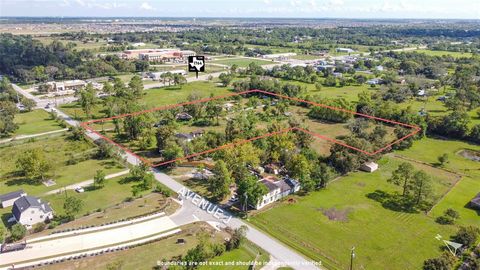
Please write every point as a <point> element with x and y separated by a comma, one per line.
<point>352,256</point>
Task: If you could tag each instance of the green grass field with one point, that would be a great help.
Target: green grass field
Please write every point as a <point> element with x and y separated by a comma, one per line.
<point>237,258</point>
<point>37,121</point>
<point>56,150</point>
<point>156,97</point>
<point>242,62</point>
<point>375,230</point>
<point>442,53</point>
<point>427,150</point>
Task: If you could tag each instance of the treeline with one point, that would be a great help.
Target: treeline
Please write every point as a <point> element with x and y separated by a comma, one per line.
<point>27,60</point>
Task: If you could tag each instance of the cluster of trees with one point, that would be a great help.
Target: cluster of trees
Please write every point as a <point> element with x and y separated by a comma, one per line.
<point>416,185</point>
<point>468,237</point>
<point>270,85</point>
<point>8,108</point>
<point>328,113</point>
<point>28,60</point>
<point>207,249</point>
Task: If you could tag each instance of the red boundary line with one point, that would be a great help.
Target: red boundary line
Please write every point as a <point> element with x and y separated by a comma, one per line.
<point>87,126</point>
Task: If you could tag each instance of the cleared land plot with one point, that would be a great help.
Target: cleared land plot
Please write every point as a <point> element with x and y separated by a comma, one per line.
<point>154,97</point>
<point>402,240</point>
<point>427,150</point>
<point>57,150</point>
<point>320,130</point>
<point>242,62</point>
<point>37,121</point>
<point>444,53</point>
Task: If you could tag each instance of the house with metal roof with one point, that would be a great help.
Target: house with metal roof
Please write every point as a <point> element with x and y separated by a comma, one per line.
<point>28,211</point>
<point>8,199</point>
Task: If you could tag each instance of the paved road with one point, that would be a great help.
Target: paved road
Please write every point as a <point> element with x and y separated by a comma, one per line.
<point>87,241</point>
<point>190,212</point>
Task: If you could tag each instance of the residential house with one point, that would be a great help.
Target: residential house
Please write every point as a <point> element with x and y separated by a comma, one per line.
<point>9,198</point>
<point>277,189</point>
<point>369,166</point>
<point>183,116</point>
<point>475,202</point>
<point>189,136</point>
<point>28,211</point>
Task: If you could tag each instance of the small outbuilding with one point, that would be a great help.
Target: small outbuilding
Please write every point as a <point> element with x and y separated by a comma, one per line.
<point>8,199</point>
<point>475,202</point>
<point>369,166</point>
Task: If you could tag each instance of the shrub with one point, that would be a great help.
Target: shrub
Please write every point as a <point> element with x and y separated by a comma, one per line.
<point>17,232</point>
<point>39,227</point>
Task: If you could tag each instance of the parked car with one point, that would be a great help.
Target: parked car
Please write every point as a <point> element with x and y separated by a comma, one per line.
<point>79,189</point>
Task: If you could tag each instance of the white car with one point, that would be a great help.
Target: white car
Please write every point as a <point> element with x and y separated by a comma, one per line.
<point>79,189</point>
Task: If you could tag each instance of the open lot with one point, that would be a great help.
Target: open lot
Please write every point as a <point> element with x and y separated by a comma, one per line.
<point>37,121</point>
<point>242,62</point>
<point>402,239</point>
<point>156,97</point>
<point>444,53</point>
<point>57,150</point>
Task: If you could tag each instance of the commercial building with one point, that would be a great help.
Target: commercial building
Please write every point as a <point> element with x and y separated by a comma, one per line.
<point>72,86</point>
<point>278,55</point>
<point>158,55</point>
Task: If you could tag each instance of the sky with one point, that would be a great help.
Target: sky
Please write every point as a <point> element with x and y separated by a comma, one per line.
<point>442,9</point>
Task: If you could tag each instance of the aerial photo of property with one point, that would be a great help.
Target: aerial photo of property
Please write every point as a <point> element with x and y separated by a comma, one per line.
<point>240,134</point>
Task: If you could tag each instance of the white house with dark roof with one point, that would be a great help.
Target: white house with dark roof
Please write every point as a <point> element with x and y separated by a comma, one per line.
<point>277,190</point>
<point>8,199</point>
<point>28,211</point>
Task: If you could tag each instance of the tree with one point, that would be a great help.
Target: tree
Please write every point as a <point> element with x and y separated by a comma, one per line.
<point>403,176</point>
<point>321,175</point>
<point>99,178</point>
<point>443,159</point>
<point>29,104</point>
<point>449,217</point>
<point>225,79</point>
<point>421,187</point>
<point>250,191</point>
<point>238,237</point>
<point>17,232</point>
<point>88,99</point>
<point>299,167</point>
<point>33,164</point>
<point>163,135</point>
<point>318,86</point>
<point>108,88</point>
<point>444,262</point>
<point>172,151</point>
<point>136,86</point>
<point>7,118</point>
<point>219,185</point>
<point>467,236</point>
<point>72,206</point>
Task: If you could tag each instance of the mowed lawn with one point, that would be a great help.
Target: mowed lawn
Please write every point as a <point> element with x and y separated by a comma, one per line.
<point>156,97</point>
<point>242,62</point>
<point>114,192</point>
<point>402,240</point>
<point>36,121</point>
<point>239,259</point>
<point>444,53</point>
<point>57,150</point>
<point>427,150</point>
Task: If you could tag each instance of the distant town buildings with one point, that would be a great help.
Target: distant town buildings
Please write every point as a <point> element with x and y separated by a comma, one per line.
<point>157,55</point>
<point>72,86</point>
<point>345,50</point>
<point>278,56</point>
<point>158,75</point>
